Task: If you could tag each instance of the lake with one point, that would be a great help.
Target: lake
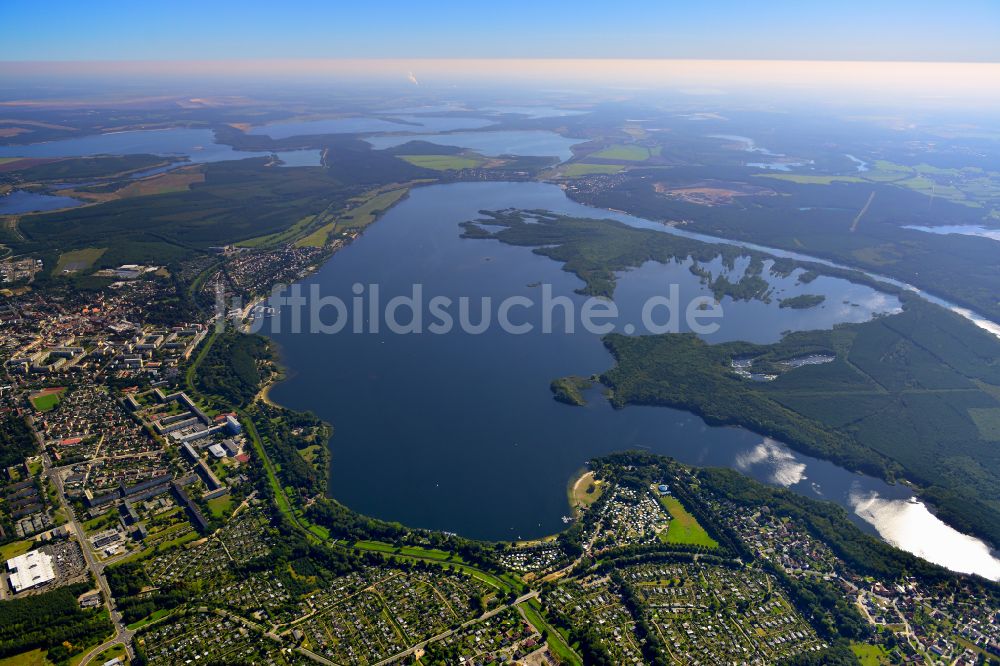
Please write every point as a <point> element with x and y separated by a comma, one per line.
<point>20,201</point>
<point>359,125</point>
<point>460,432</point>
<point>959,229</point>
<point>197,145</point>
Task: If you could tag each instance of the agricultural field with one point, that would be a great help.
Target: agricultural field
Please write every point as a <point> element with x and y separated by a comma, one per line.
<point>369,208</point>
<point>164,183</point>
<point>626,153</point>
<point>317,238</point>
<point>77,261</point>
<point>79,168</point>
<point>444,162</point>
<point>273,240</point>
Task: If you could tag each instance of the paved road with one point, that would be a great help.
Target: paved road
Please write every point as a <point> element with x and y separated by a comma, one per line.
<point>122,633</point>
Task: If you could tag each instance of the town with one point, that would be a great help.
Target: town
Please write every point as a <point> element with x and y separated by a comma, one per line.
<point>140,475</point>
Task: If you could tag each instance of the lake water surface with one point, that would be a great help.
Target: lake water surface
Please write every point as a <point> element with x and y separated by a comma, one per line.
<point>959,229</point>
<point>360,125</point>
<point>197,145</point>
<point>459,432</point>
<point>20,201</point>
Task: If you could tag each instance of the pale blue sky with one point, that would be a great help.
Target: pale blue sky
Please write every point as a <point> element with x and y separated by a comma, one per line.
<point>962,30</point>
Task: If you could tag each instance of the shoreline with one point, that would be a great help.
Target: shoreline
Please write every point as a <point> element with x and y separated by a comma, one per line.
<point>573,489</point>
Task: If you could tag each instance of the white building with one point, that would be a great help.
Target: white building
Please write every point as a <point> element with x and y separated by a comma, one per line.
<point>30,570</point>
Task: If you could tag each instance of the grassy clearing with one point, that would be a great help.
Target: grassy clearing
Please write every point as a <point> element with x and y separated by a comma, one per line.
<point>684,528</point>
<point>15,548</point>
<point>220,507</point>
<point>310,452</point>
<point>150,619</point>
<point>987,420</point>
<point>443,162</point>
<point>580,169</point>
<point>557,645</point>
<point>78,260</point>
<point>272,240</point>
<point>504,583</point>
<point>625,152</point>
<point>164,183</point>
<point>368,212</point>
<point>33,658</point>
<point>112,652</point>
<point>409,551</point>
<point>584,491</point>
<point>870,655</point>
<point>101,522</point>
<point>317,238</point>
<point>187,537</point>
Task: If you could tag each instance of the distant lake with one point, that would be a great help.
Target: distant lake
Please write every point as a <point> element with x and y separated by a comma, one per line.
<point>409,123</point>
<point>535,143</point>
<point>197,145</point>
<point>20,201</point>
<point>459,432</point>
<point>536,111</point>
<point>959,229</point>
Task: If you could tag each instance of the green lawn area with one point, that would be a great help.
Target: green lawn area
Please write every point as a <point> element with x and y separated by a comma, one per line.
<point>317,238</point>
<point>503,583</point>
<point>109,654</point>
<point>272,240</point>
<point>15,548</point>
<point>166,545</point>
<point>368,212</point>
<point>44,401</point>
<point>443,162</point>
<point>625,152</point>
<point>684,528</point>
<point>410,551</point>
<point>870,655</point>
<point>556,643</point>
<point>153,617</point>
<point>78,260</point>
<point>100,522</point>
<point>221,507</point>
<point>987,420</point>
<point>33,658</point>
<point>309,453</point>
<point>580,169</point>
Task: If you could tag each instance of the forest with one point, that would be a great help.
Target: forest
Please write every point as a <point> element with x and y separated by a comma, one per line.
<point>913,395</point>
<point>233,369</point>
<point>48,621</point>
<point>816,219</point>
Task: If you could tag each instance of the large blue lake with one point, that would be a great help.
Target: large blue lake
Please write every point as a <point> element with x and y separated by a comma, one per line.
<point>197,145</point>
<point>460,432</point>
<point>362,125</point>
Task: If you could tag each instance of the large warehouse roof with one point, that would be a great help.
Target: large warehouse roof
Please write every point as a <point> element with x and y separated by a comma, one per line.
<point>29,570</point>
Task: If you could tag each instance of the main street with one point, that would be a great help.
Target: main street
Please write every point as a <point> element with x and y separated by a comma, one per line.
<point>122,633</point>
